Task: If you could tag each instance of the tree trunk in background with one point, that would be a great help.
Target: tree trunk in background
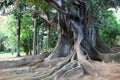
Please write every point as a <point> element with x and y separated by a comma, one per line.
<point>101,46</point>
<point>38,42</point>
<point>97,41</point>
<point>48,37</point>
<point>18,37</point>
<point>42,35</point>
<point>35,37</point>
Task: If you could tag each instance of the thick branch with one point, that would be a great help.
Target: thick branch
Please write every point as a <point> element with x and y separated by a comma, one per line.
<point>57,7</point>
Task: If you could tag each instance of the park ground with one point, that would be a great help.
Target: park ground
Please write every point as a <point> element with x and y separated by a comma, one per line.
<point>103,71</point>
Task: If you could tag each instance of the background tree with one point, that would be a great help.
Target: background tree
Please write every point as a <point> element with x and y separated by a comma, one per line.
<point>18,16</point>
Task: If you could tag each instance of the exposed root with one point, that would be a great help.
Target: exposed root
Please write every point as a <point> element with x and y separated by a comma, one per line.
<point>82,60</point>
<point>56,68</point>
<point>73,73</point>
<point>52,62</point>
<point>27,61</point>
<point>67,67</point>
<point>62,70</point>
<point>111,57</point>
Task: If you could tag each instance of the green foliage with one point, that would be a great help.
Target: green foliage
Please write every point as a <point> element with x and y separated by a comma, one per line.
<point>110,29</point>
<point>104,4</point>
<point>53,38</point>
<point>47,39</point>
<point>8,29</point>
<point>40,5</point>
<point>26,33</point>
<point>17,14</point>
<point>6,3</point>
<point>2,39</point>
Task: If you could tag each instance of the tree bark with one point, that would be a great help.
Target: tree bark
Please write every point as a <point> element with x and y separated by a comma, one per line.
<point>97,41</point>
<point>18,37</point>
<point>63,46</point>
<point>42,35</point>
<point>35,37</point>
<point>78,21</point>
<point>101,46</point>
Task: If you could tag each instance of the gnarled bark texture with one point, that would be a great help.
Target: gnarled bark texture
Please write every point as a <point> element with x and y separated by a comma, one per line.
<point>98,43</point>
<point>73,27</point>
<point>74,47</point>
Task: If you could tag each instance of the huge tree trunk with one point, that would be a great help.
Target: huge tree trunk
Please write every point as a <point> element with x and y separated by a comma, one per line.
<point>74,25</point>
<point>18,37</point>
<point>74,47</point>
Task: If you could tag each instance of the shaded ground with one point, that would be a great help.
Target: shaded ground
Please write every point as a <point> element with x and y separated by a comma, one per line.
<point>105,71</point>
<point>24,71</point>
<point>116,49</point>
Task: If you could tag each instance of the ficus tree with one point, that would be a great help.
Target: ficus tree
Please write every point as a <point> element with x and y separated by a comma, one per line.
<point>78,37</point>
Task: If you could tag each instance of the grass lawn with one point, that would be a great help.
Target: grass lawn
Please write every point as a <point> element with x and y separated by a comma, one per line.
<point>9,54</point>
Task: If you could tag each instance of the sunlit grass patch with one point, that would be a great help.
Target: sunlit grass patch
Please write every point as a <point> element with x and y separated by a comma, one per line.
<point>9,54</point>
